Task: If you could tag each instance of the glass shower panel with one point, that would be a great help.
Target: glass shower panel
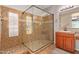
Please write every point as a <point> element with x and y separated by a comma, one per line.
<point>42,29</point>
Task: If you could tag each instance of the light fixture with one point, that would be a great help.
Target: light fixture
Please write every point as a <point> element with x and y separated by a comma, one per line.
<point>66,8</point>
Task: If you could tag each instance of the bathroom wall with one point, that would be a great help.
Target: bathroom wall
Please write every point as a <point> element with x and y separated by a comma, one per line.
<point>6,41</point>
<point>9,42</point>
<point>65,20</point>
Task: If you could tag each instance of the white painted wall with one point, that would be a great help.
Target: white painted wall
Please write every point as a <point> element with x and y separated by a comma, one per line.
<point>56,24</point>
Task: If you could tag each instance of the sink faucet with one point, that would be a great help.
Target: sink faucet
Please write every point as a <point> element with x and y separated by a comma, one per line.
<point>76,32</point>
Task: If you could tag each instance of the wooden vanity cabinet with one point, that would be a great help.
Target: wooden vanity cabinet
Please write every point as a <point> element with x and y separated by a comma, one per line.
<point>65,41</point>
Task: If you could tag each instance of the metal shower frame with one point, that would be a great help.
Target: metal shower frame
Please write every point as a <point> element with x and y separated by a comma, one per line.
<point>37,8</point>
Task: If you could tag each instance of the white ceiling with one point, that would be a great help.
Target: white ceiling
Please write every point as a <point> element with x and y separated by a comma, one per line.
<point>35,11</point>
<point>50,8</point>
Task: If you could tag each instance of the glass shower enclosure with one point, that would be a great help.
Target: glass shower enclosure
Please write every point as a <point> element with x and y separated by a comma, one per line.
<point>39,28</point>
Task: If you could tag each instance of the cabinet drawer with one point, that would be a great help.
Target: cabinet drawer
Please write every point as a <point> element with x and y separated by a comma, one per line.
<point>69,35</point>
<point>59,34</point>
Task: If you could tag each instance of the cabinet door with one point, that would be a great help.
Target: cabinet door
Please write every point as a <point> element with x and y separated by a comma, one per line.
<point>59,42</point>
<point>69,44</point>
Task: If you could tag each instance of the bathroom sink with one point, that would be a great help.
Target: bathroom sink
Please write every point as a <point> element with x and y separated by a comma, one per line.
<point>77,36</point>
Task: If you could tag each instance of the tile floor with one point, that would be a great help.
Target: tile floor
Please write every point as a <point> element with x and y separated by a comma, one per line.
<point>49,50</point>
<point>59,51</point>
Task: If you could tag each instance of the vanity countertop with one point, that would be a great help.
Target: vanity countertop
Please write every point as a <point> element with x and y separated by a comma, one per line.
<point>76,35</point>
<point>67,32</point>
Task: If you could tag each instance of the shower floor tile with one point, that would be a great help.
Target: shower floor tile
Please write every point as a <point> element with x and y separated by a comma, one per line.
<point>37,44</point>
